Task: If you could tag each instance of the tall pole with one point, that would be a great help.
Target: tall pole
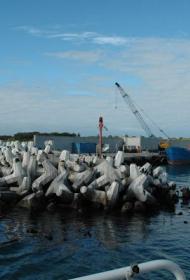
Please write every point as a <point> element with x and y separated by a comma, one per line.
<point>101,125</point>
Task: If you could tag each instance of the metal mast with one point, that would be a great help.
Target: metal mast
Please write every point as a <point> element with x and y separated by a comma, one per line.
<point>134,110</point>
<point>101,125</point>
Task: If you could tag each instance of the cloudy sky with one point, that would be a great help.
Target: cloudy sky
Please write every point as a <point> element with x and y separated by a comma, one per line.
<point>59,60</point>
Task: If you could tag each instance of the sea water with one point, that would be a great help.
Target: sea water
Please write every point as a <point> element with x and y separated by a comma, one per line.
<point>67,244</point>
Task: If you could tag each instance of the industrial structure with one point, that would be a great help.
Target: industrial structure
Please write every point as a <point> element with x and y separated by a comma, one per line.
<point>141,143</point>
<point>77,144</point>
<point>138,115</point>
<point>100,144</point>
<point>94,144</point>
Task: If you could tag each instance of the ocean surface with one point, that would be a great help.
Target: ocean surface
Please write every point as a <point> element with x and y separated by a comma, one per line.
<point>69,244</point>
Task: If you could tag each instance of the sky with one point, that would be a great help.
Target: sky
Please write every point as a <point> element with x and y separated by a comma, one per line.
<point>60,59</point>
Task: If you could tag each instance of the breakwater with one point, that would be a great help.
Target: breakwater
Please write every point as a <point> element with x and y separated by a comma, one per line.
<point>41,179</point>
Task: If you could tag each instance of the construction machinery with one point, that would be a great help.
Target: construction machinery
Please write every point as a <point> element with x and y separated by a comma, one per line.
<point>164,144</point>
<point>134,110</point>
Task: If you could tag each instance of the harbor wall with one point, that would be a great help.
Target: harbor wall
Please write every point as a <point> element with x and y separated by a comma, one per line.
<point>66,142</point>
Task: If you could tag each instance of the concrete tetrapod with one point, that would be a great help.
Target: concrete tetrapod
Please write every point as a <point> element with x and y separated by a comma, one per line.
<point>110,160</point>
<point>137,189</point>
<point>47,149</point>
<point>75,166</point>
<point>3,161</point>
<point>8,156</point>
<point>146,168</point>
<point>60,179</point>
<point>64,193</point>
<point>5,170</point>
<point>83,178</point>
<point>95,196</point>
<point>113,194</point>
<point>100,182</point>
<point>77,181</point>
<point>25,159</point>
<point>104,168</point>
<point>32,168</point>
<point>119,158</point>
<point>25,186</point>
<point>64,156</point>
<point>134,172</point>
<point>61,167</point>
<point>163,178</point>
<point>17,175</point>
<point>50,172</point>
<point>123,171</point>
<point>158,171</point>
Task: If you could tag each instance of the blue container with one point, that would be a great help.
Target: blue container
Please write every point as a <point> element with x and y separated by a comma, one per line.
<point>84,148</point>
<point>178,155</point>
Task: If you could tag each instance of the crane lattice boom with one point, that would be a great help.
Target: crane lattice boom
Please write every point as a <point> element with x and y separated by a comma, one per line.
<point>134,110</point>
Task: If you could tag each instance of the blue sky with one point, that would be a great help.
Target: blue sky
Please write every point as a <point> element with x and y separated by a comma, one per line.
<point>59,61</point>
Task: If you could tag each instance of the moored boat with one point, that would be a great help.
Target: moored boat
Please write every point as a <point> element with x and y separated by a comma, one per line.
<point>178,155</point>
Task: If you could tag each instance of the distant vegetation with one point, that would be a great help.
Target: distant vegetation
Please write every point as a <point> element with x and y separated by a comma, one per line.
<point>28,136</point>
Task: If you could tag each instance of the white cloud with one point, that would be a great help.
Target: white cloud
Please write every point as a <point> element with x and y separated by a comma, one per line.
<point>86,36</point>
<point>74,36</point>
<point>161,65</point>
<point>30,30</point>
<point>85,56</point>
<point>111,40</point>
<point>26,108</point>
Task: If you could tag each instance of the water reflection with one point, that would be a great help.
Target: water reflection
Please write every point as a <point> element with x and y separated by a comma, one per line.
<point>83,244</point>
<point>115,231</point>
<point>88,243</point>
<point>180,174</point>
<point>112,231</point>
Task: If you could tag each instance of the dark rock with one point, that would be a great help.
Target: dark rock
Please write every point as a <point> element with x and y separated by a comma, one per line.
<point>48,236</point>
<point>32,230</point>
<point>51,207</point>
<point>2,207</point>
<point>13,240</point>
<point>139,207</point>
<point>28,201</point>
<point>9,197</point>
<point>34,201</point>
<point>88,234</point>
<point>4,189</point>
<point>127,207</point>
<point>185,193</point>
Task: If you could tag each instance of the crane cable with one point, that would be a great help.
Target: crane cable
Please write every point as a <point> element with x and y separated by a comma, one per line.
<point>115,98</point>
<point>153,122</point>
<point>145,114</point>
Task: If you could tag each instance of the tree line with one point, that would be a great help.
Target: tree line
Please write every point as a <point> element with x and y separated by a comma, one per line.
<point>28,136</point>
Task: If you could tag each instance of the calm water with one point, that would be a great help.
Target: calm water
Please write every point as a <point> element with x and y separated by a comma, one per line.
<point>69,245</point>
